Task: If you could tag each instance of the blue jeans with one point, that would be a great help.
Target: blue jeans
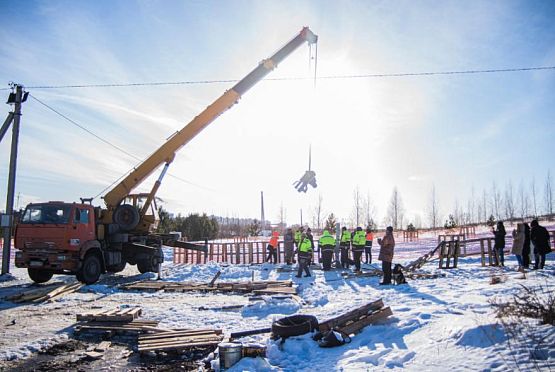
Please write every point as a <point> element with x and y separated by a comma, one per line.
<point>501,256</point>
<point>519,259</point>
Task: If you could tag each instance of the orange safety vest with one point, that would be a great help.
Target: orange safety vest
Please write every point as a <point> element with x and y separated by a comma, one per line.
<point>369,236</point>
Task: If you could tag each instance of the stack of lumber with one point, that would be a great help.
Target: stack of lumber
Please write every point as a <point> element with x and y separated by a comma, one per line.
<point>256,287</point>
<point>45,293</point>
<point>117,321</point>
<point>355,320</point>
<point>180,340</point>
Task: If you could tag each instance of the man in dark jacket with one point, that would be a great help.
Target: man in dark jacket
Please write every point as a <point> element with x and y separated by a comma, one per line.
<point>288,243</point>
<point>540,238</point>
<point>499,246</point>
<point>526,247</point>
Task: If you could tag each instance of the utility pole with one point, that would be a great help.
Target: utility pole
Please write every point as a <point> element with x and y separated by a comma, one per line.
<point>262,218</point>
<point>301,216</point>
<point>7,222</point>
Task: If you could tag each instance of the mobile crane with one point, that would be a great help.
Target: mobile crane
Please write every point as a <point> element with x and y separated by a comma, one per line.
<point>81,239</point>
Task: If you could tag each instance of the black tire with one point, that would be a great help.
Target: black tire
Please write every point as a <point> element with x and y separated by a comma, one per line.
<point>40,276</point>
<point>91,269</point>
<point>126,216</point>
<point>294,325</point>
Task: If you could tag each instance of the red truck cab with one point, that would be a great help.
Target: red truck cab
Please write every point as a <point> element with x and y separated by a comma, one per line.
<point>52,238</point>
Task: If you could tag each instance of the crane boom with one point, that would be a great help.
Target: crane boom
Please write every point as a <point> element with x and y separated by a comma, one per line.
<point>166,152</point>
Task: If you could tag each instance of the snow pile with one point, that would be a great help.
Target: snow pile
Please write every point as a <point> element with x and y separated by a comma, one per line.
<point>271,307</point>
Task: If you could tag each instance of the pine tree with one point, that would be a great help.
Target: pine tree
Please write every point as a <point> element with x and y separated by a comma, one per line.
<point>330,223</point>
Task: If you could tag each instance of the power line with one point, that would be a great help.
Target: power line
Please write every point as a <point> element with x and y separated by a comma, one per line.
<point>109,144</point>
<point>324,77</point>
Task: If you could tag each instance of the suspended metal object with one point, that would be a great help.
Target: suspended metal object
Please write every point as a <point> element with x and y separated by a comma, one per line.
<point>309,177</point>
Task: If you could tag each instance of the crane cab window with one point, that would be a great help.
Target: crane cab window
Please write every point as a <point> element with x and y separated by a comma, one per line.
<point>82,216</point>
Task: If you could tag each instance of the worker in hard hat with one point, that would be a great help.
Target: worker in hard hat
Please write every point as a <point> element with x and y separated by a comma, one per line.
<point>272,248</point>
<point>344,245</point>
<point>359,240</point>
<point>368,245</point>
<point>326,243</point>
<point>305,254</point>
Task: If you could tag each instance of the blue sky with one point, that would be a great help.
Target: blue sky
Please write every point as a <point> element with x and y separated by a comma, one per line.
<point>456,132</point>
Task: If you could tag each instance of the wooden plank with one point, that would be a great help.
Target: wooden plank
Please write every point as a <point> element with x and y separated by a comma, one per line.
<point>180,341</point>
<point>214,278</point>
<point>367,320</point>
<point>180,347</point>
<point>235,335</point>
<point>181,333</point>
<point>344,318</point>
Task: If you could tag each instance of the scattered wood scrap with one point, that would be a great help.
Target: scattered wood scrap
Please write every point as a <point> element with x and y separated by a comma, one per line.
<point>364,274</point>
<point>412,275</point>
<point>257,287</point>
<point>353,321</point>
<point>117,315</point>
<point>179,341</point>
<point>120,321</point>
<point>45,293</point>
<point>421,261</point>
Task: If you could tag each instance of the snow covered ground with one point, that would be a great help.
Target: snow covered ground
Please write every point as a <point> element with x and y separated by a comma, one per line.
<point>437,324</point>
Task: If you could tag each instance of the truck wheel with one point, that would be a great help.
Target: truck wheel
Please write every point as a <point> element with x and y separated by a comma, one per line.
<point>40,276</point>
<point>91,269</point>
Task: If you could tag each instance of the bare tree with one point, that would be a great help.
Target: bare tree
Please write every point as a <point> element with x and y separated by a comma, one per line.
<point>318,213</point>
<point>523,201</point>
<point>369,211</point>
<point>358,208</point>
<point>395,212</point>
<point>496,200</point>
<point>509,201</point>
<point>458,214</point>
<point>433,209</point>
<point>471,207</point>
<point>533,191</point>
<point>484,205</point>
<point>548,196</point>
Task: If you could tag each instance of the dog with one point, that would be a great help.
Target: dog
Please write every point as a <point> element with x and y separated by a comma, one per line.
<point>397,274</point>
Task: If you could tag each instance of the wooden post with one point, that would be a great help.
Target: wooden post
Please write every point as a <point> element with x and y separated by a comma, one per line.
<point>457,251</point>
<point>237,252</point>
<point>441,255</point>
<point>224,253</point>
<point>449,251</point>
<point>489,252</point>
<point>482,253</point>
<point>251,252</point>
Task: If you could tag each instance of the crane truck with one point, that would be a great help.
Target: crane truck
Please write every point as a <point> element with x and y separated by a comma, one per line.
<point>86,241</point>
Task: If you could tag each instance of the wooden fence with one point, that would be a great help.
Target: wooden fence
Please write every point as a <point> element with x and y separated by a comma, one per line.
<point>232,253</point>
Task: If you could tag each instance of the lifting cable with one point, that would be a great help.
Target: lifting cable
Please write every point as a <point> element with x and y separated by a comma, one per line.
<point>114,146</point>
<point>325,77</point>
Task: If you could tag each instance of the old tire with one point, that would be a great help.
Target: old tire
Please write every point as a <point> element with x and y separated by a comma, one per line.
<point>294,325</point>
<point>126,216</point>
<point>40,276</point>
<point>91,269</point>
